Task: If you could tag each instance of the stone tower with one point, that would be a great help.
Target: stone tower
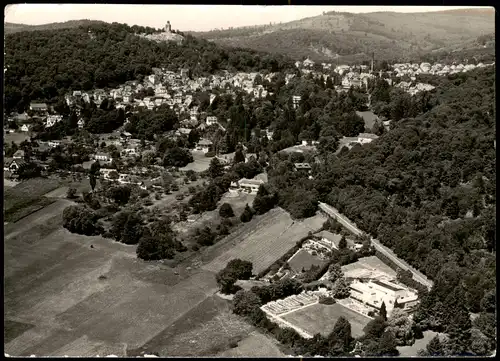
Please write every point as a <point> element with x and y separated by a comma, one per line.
<point>168,27</point>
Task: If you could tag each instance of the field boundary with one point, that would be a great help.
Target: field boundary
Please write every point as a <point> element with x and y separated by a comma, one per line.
<point>38,205</point>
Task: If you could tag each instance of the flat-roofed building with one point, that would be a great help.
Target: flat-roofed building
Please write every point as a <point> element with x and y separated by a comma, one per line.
<point>376,292</point>
<point>247,185</point>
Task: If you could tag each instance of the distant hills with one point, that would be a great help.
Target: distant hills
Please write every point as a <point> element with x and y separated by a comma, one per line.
<point>10,28</point>
<point>353,37</point>
<point>347,37</point>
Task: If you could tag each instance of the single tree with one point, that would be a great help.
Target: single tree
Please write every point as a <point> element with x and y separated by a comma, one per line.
<point>238,156</point>
<point>434,347</point>
<point>245,302</point>
<point>216,169</point>
<point>343,242</point>
<point>71,193</point>
<point>247,214</point>
<point>92,180</point>
<point>383,311</point>
<point>226,211</point>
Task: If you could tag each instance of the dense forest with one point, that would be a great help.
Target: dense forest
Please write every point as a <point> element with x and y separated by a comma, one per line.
<point>426,189</point>
<point>44,65</point>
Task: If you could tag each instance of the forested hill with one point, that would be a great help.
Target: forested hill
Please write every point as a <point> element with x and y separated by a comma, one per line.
<point>42,65</point>
<point>10,28</point>
<point>353,37</point>
<point>427,189</point>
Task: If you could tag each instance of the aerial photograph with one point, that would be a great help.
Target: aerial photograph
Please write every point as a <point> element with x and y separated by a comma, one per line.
<point>249,181</point>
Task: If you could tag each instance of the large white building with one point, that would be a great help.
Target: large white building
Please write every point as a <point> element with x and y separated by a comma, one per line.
<point>376,292</point>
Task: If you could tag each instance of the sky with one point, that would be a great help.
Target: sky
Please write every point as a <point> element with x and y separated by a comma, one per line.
<point>186,17</point>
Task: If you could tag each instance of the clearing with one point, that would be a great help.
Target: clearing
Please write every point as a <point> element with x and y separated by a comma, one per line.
<point>408,351</point>
<point>369,117</point>
<point>303,260</point>
<point>200,163</point>
<point>321,318</point>
<point>262,241</point>
<point>369,267</point>
<point>17,137</point>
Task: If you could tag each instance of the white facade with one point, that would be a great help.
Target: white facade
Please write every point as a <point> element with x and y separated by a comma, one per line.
<point>376,292</point>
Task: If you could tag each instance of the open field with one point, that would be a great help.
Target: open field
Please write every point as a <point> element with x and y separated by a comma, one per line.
<point>207,329</point>
<point>7,183</point>
<point>303,260</point>
<point>56,303</point>
<point>16,137</point>
<point>25,194</point>
<point>299,149</point>
<point>321,318</point>
<point>263,242</point>
<point>200,164</point>
<point>255,345</point>
<point>369,267</point>
<point>369,117</point>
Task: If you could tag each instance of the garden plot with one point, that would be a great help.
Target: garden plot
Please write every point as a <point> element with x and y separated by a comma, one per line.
<point>322,318</point>
<point>269,238</point>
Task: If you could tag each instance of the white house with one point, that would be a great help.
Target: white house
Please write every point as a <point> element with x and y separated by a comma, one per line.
<point>26,127</point>
<point>104,157</point>
<point>81,123</point>
<point>211,120</point>
<point>129,150</point>
<point>53,143</point>
<point>52,120</point>
<point>204,145</point>
<point>19,154</point>
<point>364,138</point>
<point>296,101</point>
<point>308,63</point>
<point>15,165</point>
<point>246,185</point>
<point>376,292</point>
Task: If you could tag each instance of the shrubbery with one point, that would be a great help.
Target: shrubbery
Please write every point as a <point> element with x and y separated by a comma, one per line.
<point>81,220</point>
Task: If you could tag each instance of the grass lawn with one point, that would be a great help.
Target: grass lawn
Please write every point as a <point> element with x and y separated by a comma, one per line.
<point>209,328</point>
<point>26,194</point>
<point>321,318</point>
<point>15,137</point>
<point>368,264</point>
<point>255,345</point>
<point>408,351</point>
<point>303,260</point>
<point>200,163</point>
<point>369,117</point>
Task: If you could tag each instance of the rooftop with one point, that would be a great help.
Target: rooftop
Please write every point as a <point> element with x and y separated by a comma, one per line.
<point>387,285</point>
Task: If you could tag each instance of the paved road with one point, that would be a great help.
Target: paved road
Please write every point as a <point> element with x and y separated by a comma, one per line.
<point>418,276</point>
